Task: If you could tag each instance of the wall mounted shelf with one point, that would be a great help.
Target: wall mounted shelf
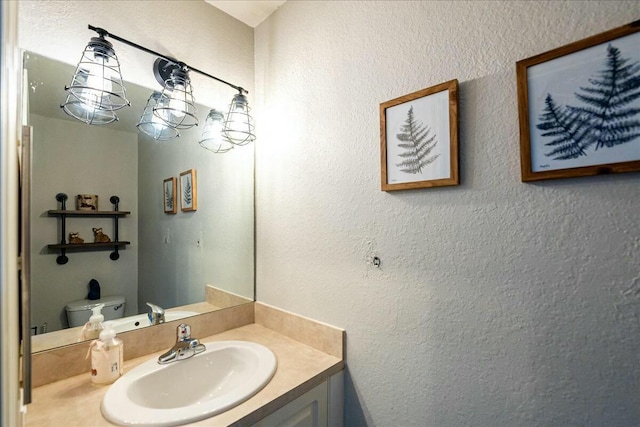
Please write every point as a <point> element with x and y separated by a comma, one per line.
<point>86,246</point>
<point>56,212</point>
<point>63,214</point>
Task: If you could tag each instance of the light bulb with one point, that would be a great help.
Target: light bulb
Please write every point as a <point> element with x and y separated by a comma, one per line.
<point>159,116</point>
<point>235,124</point>
<point>177,102</point>
<point>157,122</point>
<point>152,121</point>
<point>98,83</point>
<point>212,138</point>
<point>213,131</point>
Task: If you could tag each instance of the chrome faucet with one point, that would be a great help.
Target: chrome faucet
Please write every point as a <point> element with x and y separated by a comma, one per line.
<point>184,348</point>
<point>156,314</point>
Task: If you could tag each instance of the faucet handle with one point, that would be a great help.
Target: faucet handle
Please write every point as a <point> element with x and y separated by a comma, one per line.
<point>184,348</point>
<point>183,332</point>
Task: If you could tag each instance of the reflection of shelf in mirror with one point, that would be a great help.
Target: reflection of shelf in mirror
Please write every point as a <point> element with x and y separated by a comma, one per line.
<point>64,214</point>
<point>85,246</point>
<point>87,213</point>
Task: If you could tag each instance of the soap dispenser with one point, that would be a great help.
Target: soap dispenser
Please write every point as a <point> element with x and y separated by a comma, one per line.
<point>91,329</point>
<point>106,357</point>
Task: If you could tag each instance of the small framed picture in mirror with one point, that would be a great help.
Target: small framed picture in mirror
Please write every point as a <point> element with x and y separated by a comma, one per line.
<point>87,202</point>
<point>169,195</point>
<point>188,191</point>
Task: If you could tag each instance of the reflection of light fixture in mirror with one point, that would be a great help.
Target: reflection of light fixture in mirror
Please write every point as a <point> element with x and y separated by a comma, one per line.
<point>212,138</point>
<point>96,89</point>
<point>238,127</point>
<point>177,108</point>
<point>152,125</point>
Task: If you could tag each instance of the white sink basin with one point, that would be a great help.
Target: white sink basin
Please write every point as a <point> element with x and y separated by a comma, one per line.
<point>142,320</point>
<point>211,382</point>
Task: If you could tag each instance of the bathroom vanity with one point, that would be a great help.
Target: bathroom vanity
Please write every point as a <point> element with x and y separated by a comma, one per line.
<point>305,390</point>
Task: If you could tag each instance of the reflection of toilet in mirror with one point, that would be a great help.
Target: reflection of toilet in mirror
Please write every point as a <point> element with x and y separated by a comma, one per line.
<point>78,312</point>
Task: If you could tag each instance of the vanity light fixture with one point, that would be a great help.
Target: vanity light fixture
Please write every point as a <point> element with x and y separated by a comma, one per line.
<point>212,137</point>
<point>152,125</point>
<point>97,91</point>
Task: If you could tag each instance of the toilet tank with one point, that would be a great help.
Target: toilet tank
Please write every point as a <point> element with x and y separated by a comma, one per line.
<point>78,312</point>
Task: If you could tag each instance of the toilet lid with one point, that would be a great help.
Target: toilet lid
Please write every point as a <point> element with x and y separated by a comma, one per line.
<point>86,304</point>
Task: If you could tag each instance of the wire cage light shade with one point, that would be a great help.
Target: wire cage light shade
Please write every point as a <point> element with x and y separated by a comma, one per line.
<point>177,107</point>
<point>238,126</point>
<point>96,89</point>
<point>212,138</point>
<point>152,125</point>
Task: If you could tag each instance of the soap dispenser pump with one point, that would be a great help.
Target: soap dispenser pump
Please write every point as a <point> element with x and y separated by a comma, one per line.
<point>91,329</point>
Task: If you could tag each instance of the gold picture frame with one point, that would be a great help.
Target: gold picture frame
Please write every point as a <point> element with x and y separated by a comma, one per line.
<point>188,191</point>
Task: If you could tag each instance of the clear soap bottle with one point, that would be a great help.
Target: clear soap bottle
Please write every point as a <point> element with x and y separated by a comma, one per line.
<point>91,330</point>
<point>106,357</point>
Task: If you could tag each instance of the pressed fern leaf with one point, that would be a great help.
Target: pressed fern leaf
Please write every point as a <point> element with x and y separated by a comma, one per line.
<point>565,126</point>
<point>611,119</point>
<point>168,199</point>
<point>417,145</point>
<point>187,193</point>
<point>605,118</point>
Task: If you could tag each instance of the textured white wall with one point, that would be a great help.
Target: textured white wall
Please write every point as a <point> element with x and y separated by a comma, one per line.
<point>498,303</point>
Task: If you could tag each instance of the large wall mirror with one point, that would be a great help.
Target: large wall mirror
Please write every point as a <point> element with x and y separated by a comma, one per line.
<point>173,260</point>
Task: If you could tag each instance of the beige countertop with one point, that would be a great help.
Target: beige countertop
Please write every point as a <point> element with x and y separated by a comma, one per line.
<point>75,402</point>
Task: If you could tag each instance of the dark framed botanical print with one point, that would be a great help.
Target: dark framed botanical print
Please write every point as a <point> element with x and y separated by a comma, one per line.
<point>579,107</point>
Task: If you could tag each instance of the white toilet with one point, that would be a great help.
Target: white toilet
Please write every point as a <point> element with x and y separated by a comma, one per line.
<point>78,312</point>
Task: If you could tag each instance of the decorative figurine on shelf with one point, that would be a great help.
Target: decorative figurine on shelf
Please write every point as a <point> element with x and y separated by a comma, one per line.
<point>75,239</point>
<point>87,202</point>
<point>99,236</point>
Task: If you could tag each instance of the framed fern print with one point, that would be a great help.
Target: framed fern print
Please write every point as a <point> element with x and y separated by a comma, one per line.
<point>188,191</point>
<point>169,195</point>
<point>419,139</point>
<point>579,107</point>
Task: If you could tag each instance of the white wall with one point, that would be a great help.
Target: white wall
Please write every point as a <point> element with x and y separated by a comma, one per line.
<point>181,253</point>
<point>498,303</point>
<point>61,150</point>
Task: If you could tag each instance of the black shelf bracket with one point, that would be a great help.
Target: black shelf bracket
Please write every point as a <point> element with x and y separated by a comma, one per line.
<point>115,255</point>
<point>63,258</point>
